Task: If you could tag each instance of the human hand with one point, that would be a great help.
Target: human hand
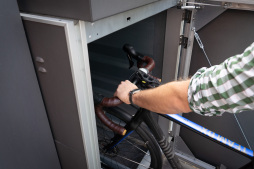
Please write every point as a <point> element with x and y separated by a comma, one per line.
<point>122,92</point>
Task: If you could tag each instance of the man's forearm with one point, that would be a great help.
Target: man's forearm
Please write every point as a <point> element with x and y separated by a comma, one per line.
<point>169,98</point>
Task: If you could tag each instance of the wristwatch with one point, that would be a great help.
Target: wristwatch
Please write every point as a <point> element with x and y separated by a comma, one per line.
<point>132,93</point>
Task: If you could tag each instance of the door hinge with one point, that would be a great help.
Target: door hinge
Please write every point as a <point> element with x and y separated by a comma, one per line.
<point>187,16</point>
<point>183,41</point>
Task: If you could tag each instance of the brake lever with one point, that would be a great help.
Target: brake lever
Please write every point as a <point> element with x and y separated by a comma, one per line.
<point>131,63</point>
<point>132,54</point>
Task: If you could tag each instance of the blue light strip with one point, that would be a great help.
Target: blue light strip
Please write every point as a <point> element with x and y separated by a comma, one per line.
<point>211,134</point>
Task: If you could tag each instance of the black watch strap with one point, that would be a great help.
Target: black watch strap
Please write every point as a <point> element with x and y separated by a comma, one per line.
<point>131,93</point>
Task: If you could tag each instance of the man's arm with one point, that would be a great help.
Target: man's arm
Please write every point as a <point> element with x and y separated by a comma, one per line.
<point>170,98</point>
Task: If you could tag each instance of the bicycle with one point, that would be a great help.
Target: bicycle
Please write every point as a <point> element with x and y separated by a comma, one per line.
<point>118,130</point>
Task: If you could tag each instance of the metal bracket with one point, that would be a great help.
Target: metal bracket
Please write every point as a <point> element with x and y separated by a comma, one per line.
<point>183,6</point>
<point>183,41</point>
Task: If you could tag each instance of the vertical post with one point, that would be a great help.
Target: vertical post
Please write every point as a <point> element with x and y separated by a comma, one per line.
<point>184,64</point>
<point>175,53</point>
<point>83,90</point>
<point>172,51</point>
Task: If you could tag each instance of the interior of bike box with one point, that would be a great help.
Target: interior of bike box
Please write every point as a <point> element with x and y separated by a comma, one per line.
<point>109,66</point>
<point>109,63</point>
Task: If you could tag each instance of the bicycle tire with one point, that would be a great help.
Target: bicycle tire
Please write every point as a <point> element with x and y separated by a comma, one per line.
<point>143,150</point>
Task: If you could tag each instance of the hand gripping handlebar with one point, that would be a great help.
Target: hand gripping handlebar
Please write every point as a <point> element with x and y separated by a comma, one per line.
<point>101,101</point>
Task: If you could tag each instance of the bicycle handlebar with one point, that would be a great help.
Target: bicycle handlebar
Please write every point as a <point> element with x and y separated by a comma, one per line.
<point>131,53</point>
<point>150,63</point>
<point>114,101</point>
<point>109,102</point>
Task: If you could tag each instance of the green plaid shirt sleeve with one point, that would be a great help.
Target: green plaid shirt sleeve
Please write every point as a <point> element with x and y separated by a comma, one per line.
<point>228,87</point>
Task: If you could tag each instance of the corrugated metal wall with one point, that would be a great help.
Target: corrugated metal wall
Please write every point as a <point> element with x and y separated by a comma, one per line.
<point>109,64</point>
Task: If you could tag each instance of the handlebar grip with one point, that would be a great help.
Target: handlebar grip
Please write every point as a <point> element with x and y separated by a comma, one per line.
<point>109,102</point>
<point>110,124</point>
<point>150,64</point>
<point>97,98</point>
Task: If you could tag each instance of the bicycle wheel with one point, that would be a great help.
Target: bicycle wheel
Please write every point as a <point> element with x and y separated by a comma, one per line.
<point>138,150</point>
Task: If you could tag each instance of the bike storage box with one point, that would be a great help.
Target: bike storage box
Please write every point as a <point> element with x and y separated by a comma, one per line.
<point>59,49</point>
<point>76,48</point>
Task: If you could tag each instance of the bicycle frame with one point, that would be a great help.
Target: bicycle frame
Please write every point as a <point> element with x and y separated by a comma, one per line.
<point>145,115</point>
<point>210,135</point>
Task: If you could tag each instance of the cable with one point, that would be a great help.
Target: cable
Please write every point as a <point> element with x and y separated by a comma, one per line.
<point>242,131</point>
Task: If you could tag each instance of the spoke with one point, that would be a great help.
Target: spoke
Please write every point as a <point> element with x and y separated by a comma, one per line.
<point>132,146</point>
<point>133,161</point>
<point>138,147</point>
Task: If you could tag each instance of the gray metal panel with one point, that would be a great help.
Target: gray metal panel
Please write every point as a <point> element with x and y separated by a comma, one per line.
<point>227,35</point>
<point>106,26</point>
<point>26,140</point>
<point>206,14</point>
<point>49,42</point>
<point>237,1</point>
<point>87,10</point>
<point>209,151</point>
<point>173,27</point>
<point>172,33</point>
<point>76,9</point>
<point>70,159</point>
<point>159,41</point>
<point>102,8</point>
<point>246,121</point>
